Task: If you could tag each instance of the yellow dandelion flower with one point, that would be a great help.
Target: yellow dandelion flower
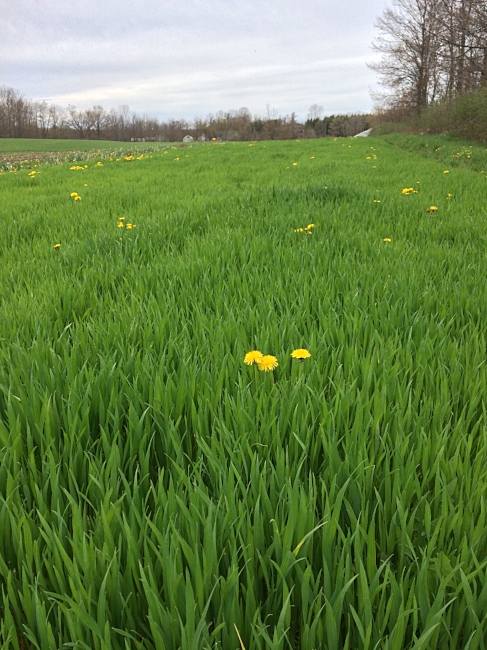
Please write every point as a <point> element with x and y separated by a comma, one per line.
<point>267,363</point>
<point>129,226</point>
<point>448,196</point>
<point>432,208</point>
<point>376,200</point>
<point>77,198</point>
<point>387,239</point>
<point>312,157</point>
<point>73,194</point>
<point>446,171</point>
<point>253,357</point>
<point>120,224</point>
<point>295,164</point>
<point>98,164</point>
<point>57,247</point>
<point>300,354</point>
<point>310,226</point>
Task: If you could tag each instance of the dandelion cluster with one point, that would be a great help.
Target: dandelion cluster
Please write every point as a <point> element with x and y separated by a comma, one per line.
<point>121,224</point>
<point>268,362</point>
<point>75,196</point>
<point>409,190</point>
<point>463,153</point>
<point>265,362</point>
<point>308,229</point>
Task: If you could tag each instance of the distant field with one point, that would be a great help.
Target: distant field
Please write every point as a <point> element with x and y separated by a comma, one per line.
<point>156,492</point>
<point>19,145</point>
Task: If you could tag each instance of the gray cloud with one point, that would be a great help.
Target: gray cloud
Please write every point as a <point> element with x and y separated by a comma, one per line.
<point>187,58</point>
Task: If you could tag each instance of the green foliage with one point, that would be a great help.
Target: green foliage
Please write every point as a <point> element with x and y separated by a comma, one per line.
<point>470,115</point>
<point>155,492</point>
<point>464,116</point>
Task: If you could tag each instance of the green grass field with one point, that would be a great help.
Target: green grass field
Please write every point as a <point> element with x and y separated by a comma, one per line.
<point>158,493</point>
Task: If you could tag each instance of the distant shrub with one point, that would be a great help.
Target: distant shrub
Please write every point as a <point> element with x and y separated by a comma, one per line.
<point>470,115</point>
<point>464,116</point>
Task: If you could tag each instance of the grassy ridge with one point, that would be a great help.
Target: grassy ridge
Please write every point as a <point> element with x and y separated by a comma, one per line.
<point>448,150</point>
<point>155,491</point>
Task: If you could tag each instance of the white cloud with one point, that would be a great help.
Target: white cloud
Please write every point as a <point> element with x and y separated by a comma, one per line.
<point>191,57</point>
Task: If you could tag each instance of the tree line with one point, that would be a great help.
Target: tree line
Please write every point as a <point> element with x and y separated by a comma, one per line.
<point>25,118</point>
<point>432,51</point>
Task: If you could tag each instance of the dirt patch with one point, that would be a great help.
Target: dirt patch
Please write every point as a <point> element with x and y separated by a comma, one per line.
<point>26,156</point>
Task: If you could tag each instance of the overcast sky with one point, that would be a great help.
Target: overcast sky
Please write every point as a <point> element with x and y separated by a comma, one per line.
<point>189,58</point>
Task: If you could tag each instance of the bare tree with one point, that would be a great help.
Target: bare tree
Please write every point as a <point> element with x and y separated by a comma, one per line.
<point>77,122</point>
<point>57,116</point>
<point>17,115</point>
<point>431,49</point>
<point>463,36</point>
<point>43,118</point>
<point>408,42</point>
<point>315,112</point>
<point>98,119</point>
